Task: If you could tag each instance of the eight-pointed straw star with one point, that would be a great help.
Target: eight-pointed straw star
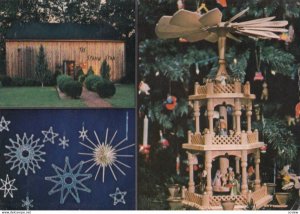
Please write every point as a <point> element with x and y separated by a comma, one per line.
<point>118,196</point>
<point>8,187</point>
<point>4,124</point>
<point>49,135</point>
<point>68,181</point>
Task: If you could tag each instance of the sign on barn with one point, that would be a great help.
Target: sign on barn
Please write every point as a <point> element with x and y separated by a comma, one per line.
<point>67,47</point>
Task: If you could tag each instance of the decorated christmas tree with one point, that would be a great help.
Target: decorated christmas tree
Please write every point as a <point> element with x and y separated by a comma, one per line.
<point>169,69</point>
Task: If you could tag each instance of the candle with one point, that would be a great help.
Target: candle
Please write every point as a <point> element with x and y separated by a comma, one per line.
<point>178,164</point>
<point>145,133</point>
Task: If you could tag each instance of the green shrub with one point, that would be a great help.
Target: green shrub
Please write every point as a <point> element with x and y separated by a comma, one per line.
<point>81,78</point>
<point>105,70</point>
<point>18,81</point>
<point>90,71</point>
<point>73,89</point>
<point>31,82</point>
<point>78,73</point>
<point>105,89</point>
<point>6,81</point>
<point>91,81</point>
<point>49,79</point>
<point>62,80</point>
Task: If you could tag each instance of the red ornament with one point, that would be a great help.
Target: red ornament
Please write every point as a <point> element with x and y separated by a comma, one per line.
<point>183,40</point>
<point>145,150</point>
<point>163,141</point>
<point>171,103</point>
<point>258,76</point>
<point>223,3</point>
<point>297,110</point>
<point>263,149</point>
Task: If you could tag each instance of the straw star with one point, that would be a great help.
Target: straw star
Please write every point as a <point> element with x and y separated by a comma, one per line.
<point>118,196</point>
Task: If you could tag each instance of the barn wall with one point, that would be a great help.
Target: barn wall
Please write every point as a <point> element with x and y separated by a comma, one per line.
<point>21,56</point>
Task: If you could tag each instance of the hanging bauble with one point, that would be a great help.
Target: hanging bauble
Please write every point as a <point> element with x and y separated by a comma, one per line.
<point>183,40</point>
<point>145,150</point>
<point>297,110</point>
<point>284,37</point>
<point>263,149</point>
<point>258,76</point>
<point>180,4</point>
<point>197,69</point>
<point>163,141</point>
<point>170,103</point>
<point>265,92</point>
<point>290,120</point>
<point>144,88</point>
<point>291,33</point>
<point>157,73</point>
<point>223,3</point>
<point>178,164</point>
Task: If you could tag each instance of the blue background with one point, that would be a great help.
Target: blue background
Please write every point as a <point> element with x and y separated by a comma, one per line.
<point>69,123</point>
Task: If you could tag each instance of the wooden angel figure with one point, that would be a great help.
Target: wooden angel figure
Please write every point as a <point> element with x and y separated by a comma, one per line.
<point>217,183</point>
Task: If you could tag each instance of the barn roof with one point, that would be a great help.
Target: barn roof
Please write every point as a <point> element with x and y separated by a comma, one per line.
<point>64,31</point>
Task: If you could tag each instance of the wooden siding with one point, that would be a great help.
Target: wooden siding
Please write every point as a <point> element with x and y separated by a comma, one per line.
<point>21,56</point>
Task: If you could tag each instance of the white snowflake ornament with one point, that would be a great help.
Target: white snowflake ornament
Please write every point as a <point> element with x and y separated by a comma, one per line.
<point>27,203</point>
<point>4,124</point>
<point>63,142</point>
<point>49,136</point>
<point>8,187</point>
<point>118,196</point>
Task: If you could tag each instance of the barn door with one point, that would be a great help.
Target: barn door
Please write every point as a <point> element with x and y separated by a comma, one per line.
<point>69,68</point>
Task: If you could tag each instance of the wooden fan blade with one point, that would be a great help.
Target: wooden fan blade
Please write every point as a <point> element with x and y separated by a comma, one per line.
<point>197,36</point>
<point>238,15</point>
<point>213,37</point>
<point>185,18</point>
<point>255,21</point>
<point>265,34</point>
<point>281,30</point>
<point>264,24</point>
<point>164,30</point>
<point>212,17</point>
<point>230,36</point>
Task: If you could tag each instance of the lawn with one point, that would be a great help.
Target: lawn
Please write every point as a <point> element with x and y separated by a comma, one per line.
<point>34,97</point>
<point>124,97</point>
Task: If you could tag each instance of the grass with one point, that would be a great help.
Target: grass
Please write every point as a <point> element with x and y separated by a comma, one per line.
<point>124,97</point>
<point>34,97</point>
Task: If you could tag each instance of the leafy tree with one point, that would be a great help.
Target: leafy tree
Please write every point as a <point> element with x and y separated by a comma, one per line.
<point>41,70</point>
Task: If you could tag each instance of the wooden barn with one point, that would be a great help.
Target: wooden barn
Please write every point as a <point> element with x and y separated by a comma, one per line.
<point>67,46</point>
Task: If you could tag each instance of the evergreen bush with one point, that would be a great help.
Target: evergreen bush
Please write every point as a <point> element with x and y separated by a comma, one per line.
<point>62,80</point>
<point>91,81</point>
<point>73,88</point>
<point>6,81</point>
<point>90,71</point>
<point>41,70</point>
<point>81,78</point>
<point>105,70</point>
<point>105,89</point>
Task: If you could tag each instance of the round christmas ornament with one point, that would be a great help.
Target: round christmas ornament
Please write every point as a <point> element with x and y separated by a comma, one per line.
<point>297,110</point>
<point>258,76</point>
<point>265,92</point>
<point>144,88</point>
<point>171,103</point>
<point>263,149</point>
<point>163,141</point>
<point>144,149</point>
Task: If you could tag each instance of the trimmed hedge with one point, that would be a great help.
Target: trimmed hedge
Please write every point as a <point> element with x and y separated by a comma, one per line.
<point>73,89</point>
<point>105,89</point>
<point>91,82</point>
<point>69,86</point>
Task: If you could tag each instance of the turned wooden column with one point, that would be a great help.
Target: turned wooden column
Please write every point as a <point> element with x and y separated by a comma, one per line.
<point>257,175</point>
<point>208,166</point>
<point>237,165</point>
<point>224,164</point>
<point>249,114</point>
<point>233,119</point>
<point>197,116</point>
<point>210,115</point>
<point>191,167</point>
<point>244,173</point>
<point>238,113</point>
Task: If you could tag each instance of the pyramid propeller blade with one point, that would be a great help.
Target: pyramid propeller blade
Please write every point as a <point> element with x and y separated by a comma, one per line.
<point>280,30</point>
<point>213,37</point>
<point>264,24</point>
<point>164,30</point>
<point>238,15</point>
<point>255,21</point>
<point>264,34</point>
<point>197,36</point>
<point>185,18</point>
<point>211,18</point>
